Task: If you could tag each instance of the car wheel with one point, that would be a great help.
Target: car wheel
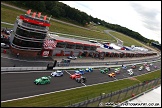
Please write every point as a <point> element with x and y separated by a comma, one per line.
<point>76,80</point>
<point>82,81</point>
<point>79,81</point>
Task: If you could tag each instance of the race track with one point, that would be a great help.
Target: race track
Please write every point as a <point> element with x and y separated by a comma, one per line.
<point>20,84</point>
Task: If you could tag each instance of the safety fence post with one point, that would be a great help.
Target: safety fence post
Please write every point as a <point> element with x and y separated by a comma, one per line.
<point>100,99</point>
<point>126,92</point>
<point>110,96</point>
<point>119,95</point>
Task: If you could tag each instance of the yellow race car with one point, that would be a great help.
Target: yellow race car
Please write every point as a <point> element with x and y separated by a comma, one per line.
<point>112,74</point>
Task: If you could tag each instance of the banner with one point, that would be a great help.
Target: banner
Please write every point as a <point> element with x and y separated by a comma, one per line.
<point>39,14</point>
<point>45,53</point>
<point>34,21</point>
<point>50,44</point>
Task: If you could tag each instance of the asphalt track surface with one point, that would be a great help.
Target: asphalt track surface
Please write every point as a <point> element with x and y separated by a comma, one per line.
<point>20,84</point>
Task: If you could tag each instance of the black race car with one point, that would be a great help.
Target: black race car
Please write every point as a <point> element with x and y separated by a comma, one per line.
<point>82,79</point>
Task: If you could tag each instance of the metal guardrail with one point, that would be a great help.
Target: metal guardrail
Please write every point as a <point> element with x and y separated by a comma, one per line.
<point>7,23</point>
<point>74,65</point>
<point>13,69</point>
<point>80,37</point>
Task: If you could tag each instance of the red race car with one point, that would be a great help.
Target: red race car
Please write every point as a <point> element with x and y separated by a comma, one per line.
<point>133,66</point>
<point>74,76</point>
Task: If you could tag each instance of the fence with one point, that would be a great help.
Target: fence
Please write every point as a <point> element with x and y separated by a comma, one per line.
<point>81,37</point>
<point>119,96</point>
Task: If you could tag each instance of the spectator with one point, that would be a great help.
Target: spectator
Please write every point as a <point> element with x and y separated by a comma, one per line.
<point>17,55</point>
<point>47,65</point>
<point>59,64</point>
<point>109,69</point>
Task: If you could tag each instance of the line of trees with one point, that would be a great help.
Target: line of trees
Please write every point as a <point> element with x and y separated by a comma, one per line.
<point>62,11</point>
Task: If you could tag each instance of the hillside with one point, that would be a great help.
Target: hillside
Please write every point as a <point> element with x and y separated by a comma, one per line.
<point>91,31</point>
<point>61,11</point>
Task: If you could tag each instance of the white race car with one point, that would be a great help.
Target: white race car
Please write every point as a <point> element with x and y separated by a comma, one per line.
<point>151,64</point>
<point>72,57</point>
<point>57,73</point>
<point>130,72</point>
<point>147,68</point>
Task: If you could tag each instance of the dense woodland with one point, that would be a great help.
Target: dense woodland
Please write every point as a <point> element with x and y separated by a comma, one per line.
<point>64,12</point>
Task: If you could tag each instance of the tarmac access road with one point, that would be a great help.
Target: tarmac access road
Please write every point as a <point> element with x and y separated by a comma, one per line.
<point>10,62</point>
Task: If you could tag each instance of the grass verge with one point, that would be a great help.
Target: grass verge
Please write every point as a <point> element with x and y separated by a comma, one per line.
<point>6,25</point>
<point>64,98</point>
<point>9,15</point>
<point>127,41</point>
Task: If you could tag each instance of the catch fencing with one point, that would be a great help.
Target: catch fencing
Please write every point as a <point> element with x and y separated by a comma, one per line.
<point>113,98</point>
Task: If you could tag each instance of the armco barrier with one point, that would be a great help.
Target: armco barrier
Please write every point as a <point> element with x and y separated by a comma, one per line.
<point>13,69</point>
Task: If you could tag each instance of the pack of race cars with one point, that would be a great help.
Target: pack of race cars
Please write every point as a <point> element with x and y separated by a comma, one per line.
<point>79,77</point>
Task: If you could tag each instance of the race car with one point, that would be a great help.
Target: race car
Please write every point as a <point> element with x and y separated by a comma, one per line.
<point>80,71</point>
<point>112,74</point>
<point>57,73</point>
<point>141,68</point>
<point>133,66</point>
<point>124,67</point>
<point>72,57</point>
<point>151,64</point>
<point>42,80</point>
<point>117,70</point>
<point>104,70</point>
<point>82,79</point>
<point>130,72</point>
<point>155,67</point>
<point>89,70</point>
<point>145,64</point>
<point>147,68</point>
<point>5,46</point>
<point>74,76</point>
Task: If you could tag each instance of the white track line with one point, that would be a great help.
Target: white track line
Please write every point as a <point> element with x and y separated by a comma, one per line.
<point>71,88</point>
<point>114,78</point>
<point>83,84</point>
<point>67,72</point>
<point>70,74</point>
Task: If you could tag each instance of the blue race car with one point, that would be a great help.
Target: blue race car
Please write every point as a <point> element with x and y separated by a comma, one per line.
<point>89,70</point>
<point>80,71</point>
<point>124,67</point>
